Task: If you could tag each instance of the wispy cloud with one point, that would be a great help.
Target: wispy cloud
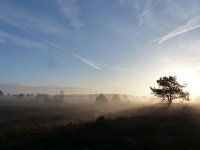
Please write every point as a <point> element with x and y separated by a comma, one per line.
<point>13,23</point>
<point>47,42</point>
<point>143,8</point>
<point>27,20</point>
<point>119,68</point>
<point>20,41</point>
<point>25,42</point>
<point>146,14</point>
<point>189,26</point>
<point>71,11</point>
<point>30,32</point>
<point>116,68</point>
<point>88,62</point>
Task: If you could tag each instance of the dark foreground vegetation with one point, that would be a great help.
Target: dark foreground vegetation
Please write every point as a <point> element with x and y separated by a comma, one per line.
<point>152,127</point>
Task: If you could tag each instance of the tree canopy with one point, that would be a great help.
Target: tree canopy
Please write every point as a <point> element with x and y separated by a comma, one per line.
<point>101,99</point>
<point>115,99</point>
<point>169,90</point>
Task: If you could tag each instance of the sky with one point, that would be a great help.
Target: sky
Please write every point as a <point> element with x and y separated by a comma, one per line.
<point>110,46</point>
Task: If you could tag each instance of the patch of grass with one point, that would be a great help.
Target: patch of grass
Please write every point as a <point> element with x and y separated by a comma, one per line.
<point>169,130</point>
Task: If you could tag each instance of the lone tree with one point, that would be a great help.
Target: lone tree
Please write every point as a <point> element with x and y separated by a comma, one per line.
<point>169,90</point>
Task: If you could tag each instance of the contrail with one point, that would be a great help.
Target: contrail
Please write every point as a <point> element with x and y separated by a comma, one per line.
<point>189,26</point>
<point>52,44</point>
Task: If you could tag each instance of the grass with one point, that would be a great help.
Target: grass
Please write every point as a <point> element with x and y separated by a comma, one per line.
<point>142,128</point>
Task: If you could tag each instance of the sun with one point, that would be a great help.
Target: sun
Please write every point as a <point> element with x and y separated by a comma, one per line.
<point>191,79</point>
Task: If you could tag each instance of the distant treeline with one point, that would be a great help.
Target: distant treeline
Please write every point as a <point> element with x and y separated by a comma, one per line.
<point>33,98</point>
<point>99,99</point>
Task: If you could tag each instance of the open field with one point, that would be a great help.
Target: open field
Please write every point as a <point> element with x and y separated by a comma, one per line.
<point>30,115</point>
<point>60,127</point>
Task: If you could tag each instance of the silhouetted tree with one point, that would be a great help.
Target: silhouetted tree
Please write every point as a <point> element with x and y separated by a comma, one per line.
<point>116,99</point>
<point>1,93</point>
<point>100,119</point>
<point>21,96</point>
<point>169,89</point>
<point>101,99</point>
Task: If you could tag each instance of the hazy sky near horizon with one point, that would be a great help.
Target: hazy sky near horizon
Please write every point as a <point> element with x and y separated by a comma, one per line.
<point>114,46</point>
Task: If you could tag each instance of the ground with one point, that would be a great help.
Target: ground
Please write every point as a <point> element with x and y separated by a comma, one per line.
<point>147,127</point>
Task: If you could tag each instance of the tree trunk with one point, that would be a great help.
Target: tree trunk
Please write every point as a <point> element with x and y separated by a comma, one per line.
<point>169,102</point>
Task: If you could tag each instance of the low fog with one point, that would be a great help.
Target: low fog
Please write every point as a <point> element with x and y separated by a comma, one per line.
<point>22,110</point>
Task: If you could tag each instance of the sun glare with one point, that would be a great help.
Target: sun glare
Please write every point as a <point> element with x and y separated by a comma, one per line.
<point>191,79</point>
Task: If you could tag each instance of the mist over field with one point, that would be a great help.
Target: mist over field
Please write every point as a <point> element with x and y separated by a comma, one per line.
<point>97,121</point>
<point>86,122</point>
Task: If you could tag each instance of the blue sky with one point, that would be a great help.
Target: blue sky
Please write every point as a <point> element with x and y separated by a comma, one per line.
<point>115,46</point>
